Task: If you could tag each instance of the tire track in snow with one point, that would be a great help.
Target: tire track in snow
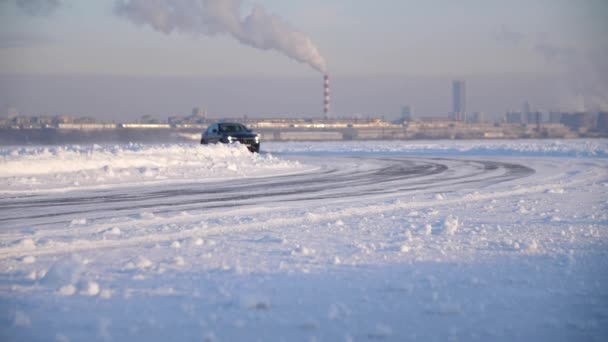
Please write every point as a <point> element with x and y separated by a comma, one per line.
<point>196,231</point>
<point>368,177</point>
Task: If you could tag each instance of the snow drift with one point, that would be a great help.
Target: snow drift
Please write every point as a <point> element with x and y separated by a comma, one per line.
<point>68,167</point>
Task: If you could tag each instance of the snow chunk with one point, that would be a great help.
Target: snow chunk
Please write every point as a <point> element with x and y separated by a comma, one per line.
<point>91,289</point>
<point>146,215</point>
<point>25,243</point>
<point>555,219</point>
<point>450,225</point>
<point>112,231</point>
<point>530,247</point>
<point>78,222</point>
<point>300,250</point>
<point>28,259</point>
<point>138,264</point>
<point>428,229</point>
<point>179,261</point>
<point>105,294</point>
<point>67,290</point>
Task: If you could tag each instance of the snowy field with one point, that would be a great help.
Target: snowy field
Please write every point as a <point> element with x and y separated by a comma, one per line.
<point>334,241</point>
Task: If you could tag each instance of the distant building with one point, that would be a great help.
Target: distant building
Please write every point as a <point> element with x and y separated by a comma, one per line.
<point>459,102</point>
<point>198,113</point>
<point>406,114</point>
<point>525,113</point>
<point>534,118</point>
<point>514,118</point>
<point>63,119</point>
<point>578,121</point>
<point>148,119</point>
<point>555,117</point>
<point>476,117</point>
<point>84,120</point>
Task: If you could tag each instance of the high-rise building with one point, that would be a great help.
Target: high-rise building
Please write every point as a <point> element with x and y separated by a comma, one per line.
<point>534,118</point>
<point>459,103</point>
<point>526,113</point>
<point>578,121</point>
<point>555,117</point>
<point>406,114</point>
<point>514,118</point>
<point>199,113</point>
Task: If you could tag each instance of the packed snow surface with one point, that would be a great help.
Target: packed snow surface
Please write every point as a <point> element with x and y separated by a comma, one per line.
<point>335,241</point>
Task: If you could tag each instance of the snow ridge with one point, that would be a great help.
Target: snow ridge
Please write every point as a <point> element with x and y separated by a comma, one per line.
<point>76,167</point>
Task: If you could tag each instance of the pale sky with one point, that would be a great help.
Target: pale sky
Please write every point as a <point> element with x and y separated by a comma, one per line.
<point>434,39</point>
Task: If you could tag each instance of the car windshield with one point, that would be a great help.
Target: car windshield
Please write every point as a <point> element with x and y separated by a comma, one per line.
<point>232,128</point>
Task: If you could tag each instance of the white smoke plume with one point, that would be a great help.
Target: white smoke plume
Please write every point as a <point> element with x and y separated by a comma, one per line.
<point>584,72</point>
<point>259,29</point>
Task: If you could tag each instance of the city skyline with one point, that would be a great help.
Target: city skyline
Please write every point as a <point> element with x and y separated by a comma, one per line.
<point>379,56</point>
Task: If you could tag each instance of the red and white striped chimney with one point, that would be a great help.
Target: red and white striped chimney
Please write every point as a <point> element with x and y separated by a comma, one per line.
<point>326,94</point>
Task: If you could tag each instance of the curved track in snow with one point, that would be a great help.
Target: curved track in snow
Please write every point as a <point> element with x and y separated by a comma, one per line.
<point>341,179</point>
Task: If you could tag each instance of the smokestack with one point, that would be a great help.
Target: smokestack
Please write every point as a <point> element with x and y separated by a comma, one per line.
<point>326,96</point>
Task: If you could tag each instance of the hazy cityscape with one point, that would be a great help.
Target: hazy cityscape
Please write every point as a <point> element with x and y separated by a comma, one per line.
<point>303,170</point>
<point>525,123</point>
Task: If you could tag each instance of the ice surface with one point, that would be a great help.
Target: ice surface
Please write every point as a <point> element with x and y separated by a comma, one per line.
<point>303,244</point>
<point>554,148</point>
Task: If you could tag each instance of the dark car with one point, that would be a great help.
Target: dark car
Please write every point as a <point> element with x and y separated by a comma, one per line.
<point>230,132</point>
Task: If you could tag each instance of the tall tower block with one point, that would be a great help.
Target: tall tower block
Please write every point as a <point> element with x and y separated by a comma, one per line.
<point>459,100</point>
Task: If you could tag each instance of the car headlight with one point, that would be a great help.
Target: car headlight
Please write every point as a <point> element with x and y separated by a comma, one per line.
<point>257,138</point>
<point>230,139</point>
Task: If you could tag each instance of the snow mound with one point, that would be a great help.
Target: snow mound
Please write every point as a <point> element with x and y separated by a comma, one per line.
<point>139,263</point>
<point>72,167</point>
<point>90,289</point>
